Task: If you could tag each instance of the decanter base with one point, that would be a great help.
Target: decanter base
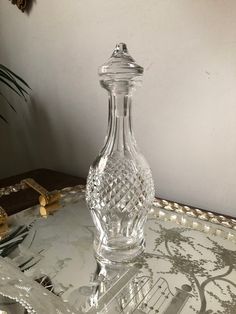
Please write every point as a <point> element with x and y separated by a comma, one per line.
<point>125,254</point>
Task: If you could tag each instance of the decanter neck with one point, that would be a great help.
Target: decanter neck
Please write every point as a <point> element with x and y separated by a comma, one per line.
<point>119,137</point>
<point>120,105</point>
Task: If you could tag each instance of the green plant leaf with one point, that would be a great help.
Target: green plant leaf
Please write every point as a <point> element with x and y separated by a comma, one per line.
<point>2,80</point>
<point>14,82</point>
<point>2,118</point>
<point>14,74</point>
<point>6,100</point>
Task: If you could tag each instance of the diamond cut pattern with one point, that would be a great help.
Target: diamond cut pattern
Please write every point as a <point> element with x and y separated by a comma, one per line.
<point>123,186</point>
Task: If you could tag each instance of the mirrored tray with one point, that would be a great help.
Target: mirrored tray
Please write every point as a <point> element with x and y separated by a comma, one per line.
<point>189,265</point>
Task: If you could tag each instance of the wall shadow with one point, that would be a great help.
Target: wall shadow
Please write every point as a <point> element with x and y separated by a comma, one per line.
<point>30,5</point>
<point>54,144</point>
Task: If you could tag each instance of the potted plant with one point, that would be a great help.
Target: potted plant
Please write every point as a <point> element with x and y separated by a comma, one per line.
<point>14,83</point>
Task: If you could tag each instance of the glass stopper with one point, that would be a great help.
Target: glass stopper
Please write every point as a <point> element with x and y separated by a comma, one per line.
<point>120,66</point>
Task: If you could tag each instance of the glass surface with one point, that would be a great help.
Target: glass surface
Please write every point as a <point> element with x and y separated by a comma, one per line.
<point>189,265</point>
<point>120,188</point>
<point>9,306</point>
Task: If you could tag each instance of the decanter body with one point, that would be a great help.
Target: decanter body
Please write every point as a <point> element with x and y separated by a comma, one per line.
<point>120,188</point>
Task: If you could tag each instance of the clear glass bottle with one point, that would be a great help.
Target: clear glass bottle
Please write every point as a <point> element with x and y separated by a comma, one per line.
<point>120,187</point>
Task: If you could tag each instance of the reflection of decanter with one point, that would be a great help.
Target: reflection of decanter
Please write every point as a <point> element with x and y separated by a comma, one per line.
<point>120,188</point>
<point>115,289</point>
<point>130,289</point>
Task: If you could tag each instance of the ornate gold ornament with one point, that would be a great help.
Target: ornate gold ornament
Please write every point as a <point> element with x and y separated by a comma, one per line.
<point>49,201</point>
<point>203,215</point>
<point>46,197</point>
<point>3,222</point>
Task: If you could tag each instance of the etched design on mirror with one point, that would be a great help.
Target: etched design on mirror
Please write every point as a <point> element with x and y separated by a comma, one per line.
<point>180,249</point>
<point>209,267</point>
<point>178,274</point>
<point>29,294</point>
<point>132,289</point>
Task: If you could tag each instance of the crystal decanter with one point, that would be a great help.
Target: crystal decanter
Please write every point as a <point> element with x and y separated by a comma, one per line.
<point>120,187</point>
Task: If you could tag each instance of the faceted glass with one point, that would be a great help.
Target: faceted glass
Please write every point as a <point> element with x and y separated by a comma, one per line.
<point>120,188</point>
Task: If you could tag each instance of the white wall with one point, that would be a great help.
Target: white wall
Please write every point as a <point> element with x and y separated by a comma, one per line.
<point>184,115</point>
